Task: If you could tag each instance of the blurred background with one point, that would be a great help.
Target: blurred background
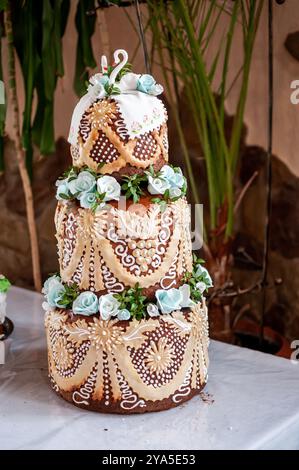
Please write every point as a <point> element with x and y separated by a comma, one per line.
<point>212,58</point>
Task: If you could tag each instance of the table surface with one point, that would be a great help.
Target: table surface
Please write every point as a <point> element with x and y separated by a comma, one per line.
<point>255,405</point>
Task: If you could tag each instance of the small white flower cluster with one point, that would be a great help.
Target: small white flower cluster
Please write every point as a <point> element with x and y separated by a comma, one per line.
<point>130,82</point>
<point>169,180</point>
<point>204,279</point>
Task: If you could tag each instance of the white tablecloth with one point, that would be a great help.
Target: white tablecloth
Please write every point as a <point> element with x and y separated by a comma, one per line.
<point>256,401</point>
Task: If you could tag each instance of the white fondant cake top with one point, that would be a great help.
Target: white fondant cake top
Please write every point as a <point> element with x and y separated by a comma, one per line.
<point>135,95</point>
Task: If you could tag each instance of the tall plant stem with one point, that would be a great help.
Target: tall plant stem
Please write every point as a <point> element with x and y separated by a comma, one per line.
<point>20,154</point>
<point>264,277</point>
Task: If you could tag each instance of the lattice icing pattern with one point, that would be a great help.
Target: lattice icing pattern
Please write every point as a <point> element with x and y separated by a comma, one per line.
<point>125,366</point>
<point>111,250</point>
<point>103,139</point>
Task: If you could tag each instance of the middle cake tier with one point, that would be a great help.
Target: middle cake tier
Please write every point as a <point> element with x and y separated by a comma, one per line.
<point>118,247</point>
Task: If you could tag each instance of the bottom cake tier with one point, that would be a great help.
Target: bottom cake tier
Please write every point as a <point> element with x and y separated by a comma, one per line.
<point>128,366</point>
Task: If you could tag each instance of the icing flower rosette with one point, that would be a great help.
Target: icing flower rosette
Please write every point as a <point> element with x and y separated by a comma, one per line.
<point>168,179</point>
<point>147,84</point>
<point>85,304</point>
<point>108,306</point>
<point>110,187</point>
<point>174,299</point>
<point>54,292</point>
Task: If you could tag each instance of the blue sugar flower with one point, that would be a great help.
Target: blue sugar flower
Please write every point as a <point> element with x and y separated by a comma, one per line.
<point>146,83</point>
<point>169,300</point>
<point>85,182</point>
<point>86,304</point>
<point>87,200</point>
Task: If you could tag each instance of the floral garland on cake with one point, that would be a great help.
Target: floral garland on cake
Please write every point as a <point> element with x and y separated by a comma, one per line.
<point>131,303</point>
<point>93,190</point>
<point>100,84</point>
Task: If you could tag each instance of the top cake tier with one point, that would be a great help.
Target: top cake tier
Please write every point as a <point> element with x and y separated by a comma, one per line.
<point>119,126</point>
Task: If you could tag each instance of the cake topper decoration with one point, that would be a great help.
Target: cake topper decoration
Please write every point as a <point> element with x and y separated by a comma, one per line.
<point>134,94</point>
<point>119,64</point>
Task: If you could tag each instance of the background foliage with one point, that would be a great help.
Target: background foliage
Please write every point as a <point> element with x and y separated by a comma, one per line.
<point>38,29</point>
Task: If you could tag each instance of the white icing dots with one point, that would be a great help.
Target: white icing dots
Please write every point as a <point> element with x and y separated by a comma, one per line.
<point>103,150</point>
<point>145,147</point>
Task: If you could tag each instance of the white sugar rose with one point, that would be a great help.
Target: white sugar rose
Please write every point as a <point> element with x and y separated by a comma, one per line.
<point>128,82</point>
<point>96,88</point>
<point>201,286</point>
<point>152,310</point>
<point>123,314</point>
<point>175,177</point>
<point>185,292</point>
<point>96,91</point>
<point>204,276</point>
<point>108,306</point>
<point>110,187</point>
<point>55,294</point>
<point>46,307</point>
<point>87,200</point>
<point>63,191</point>
<point>84,183</point>
<point>156,90</point>
<point>157,185</point>
<point>174,192</point>
<point>166,172</point>
<point>86,304</point>
<point>169,300</point>
<point>50,282</point>
<point>178,179</point>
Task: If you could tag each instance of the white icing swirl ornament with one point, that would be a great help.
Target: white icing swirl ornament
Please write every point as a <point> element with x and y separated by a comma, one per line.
<point>120,65</point>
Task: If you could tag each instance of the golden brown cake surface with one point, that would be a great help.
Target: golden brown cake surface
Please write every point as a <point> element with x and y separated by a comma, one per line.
<point>110,250</point>
<point>126,319</point>
<point>104,145</point>
<point>128,366</point>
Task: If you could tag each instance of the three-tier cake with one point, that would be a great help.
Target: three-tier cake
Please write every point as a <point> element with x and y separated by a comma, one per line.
<point>126,319</point>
